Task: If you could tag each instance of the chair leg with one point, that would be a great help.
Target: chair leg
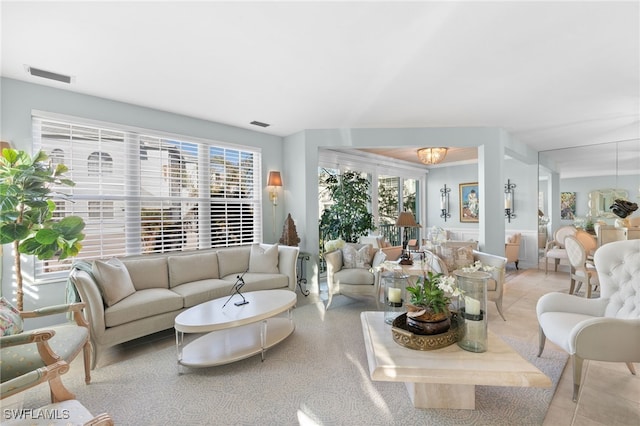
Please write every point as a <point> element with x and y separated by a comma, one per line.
<point>499,306</point>
<point>541,340</point>
<point>572,285</point>
<point>546,265</point>
<point>330,298</point>
<point>556,263</point>
<point>577,376</point>
<point>631,368</point>
<point>516,265</point>
<point>87,362</point>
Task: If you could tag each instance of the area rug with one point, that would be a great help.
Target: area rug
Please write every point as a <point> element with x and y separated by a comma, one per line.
<point>317,376</point>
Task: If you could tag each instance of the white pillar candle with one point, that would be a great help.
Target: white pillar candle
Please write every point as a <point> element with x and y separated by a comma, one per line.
<point>507,201</point>
<point>395,295</point>
<point>471,306</point>
<point>442,203</point>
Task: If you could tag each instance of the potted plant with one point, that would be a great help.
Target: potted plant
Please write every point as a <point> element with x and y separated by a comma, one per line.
<point>428,310</point>
<point>27,207</point>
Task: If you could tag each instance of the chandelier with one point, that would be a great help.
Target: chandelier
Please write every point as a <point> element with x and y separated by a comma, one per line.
<point>430,156</point>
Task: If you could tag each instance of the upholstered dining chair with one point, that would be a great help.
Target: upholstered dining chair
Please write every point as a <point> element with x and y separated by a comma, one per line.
<point>71,411</point>
<point>602,329</point>
<point>495,286</point>
<point>512,248</point>
<point>588,241</point>
<point>28,350</point>
<point>582,269</point>
<point>555,248</point>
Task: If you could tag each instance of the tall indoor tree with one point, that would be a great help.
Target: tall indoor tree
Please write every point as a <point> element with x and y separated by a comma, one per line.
<point>348,217</point>
<point>26,211</point>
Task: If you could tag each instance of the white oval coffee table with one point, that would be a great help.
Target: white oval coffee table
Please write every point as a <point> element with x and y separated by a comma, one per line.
<point>234,332</point>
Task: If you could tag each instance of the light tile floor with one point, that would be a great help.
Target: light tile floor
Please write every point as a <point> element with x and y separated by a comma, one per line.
<point>610,394</point>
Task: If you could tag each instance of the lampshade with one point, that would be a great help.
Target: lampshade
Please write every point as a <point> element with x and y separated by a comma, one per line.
<point>274,179</point>
<point>432,155</point>
<point>406,220</point>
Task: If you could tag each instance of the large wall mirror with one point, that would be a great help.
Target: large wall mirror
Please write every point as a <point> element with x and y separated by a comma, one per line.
<point>594,176</point>
<point>600,201</point>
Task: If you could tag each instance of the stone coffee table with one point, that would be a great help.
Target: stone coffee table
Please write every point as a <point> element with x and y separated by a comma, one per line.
<point>447,377</point>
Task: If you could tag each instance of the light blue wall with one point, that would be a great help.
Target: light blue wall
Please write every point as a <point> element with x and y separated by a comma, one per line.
<point>19,99</point>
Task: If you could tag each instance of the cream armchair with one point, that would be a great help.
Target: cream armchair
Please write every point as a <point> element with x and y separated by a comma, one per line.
<point>601,329</point>
<point>353,281</point>
<point>495,286</point>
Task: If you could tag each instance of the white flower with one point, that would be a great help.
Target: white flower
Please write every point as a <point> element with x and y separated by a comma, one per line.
<point>476,266</point>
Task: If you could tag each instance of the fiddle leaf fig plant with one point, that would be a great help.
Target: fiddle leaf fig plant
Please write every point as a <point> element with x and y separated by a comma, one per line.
<point>27,207</point>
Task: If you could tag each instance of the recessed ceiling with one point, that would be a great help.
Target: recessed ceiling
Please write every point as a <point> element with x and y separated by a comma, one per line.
<point>552,74</point>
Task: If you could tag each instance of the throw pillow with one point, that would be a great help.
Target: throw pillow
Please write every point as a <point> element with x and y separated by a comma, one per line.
<point>113,280</point>
<point>353,257</point>
<point>463,257</point>
<point>10,320</point>
<point>264,260</point>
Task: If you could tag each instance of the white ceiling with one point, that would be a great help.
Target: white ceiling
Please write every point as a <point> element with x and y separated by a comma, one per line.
<point>553,74</point>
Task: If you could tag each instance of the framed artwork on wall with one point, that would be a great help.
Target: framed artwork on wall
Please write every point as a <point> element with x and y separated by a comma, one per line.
<point>469,202</point>
<point>567,205</point>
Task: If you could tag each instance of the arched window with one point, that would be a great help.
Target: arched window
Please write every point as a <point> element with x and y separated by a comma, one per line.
<point>99,163</point>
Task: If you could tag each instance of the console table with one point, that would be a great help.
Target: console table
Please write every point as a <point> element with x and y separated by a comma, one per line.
<point>302,278</point>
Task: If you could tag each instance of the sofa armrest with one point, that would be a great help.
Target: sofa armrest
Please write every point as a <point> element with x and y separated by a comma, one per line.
<point>287,262</point>
<point>333,259</point>
<point>92,299</point>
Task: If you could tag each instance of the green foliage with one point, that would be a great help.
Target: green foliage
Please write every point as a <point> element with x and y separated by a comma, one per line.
<point>428,294</point>
<point>348,217</point>
<point>27,207</point>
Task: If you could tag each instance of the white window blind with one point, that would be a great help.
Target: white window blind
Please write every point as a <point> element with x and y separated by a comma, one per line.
<point>143,193</point>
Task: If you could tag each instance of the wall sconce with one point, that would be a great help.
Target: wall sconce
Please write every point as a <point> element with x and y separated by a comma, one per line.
<point>509,206</point>
<point>273,182</point>
<point>444,202</point>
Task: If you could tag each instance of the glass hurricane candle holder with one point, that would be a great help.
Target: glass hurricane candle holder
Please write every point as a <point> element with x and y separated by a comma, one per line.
<point>473,309</point>
<point>394,285</point>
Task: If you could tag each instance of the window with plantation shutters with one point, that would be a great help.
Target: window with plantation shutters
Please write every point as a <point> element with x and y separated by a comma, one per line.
<point>140,192</point>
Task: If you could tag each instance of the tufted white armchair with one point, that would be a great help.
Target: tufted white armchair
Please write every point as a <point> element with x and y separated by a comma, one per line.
<point>602,329</point>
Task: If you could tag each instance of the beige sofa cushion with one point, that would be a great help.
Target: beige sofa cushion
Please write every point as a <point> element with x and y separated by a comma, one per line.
<point>113,280</point>
<point>192,267</point>
<point>142,304</point>
<point>148,273</point>
<point>233,261</point>
<point>264,260</point>
<point>354,276</point>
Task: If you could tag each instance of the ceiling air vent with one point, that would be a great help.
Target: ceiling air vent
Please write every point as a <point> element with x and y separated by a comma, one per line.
<point>258,123</point>
<point>48,74</point>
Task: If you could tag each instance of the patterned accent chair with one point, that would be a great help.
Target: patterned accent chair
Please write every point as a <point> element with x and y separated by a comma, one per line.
<point>555,248</point>
<point>29,350</point>
<point>63,401</point>
<point>601,329</point>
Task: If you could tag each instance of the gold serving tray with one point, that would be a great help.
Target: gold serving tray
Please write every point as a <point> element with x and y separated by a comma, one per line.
<point>423,342</point>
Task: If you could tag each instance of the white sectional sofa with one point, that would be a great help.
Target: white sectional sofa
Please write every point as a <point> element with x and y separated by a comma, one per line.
<point>131,297</point>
